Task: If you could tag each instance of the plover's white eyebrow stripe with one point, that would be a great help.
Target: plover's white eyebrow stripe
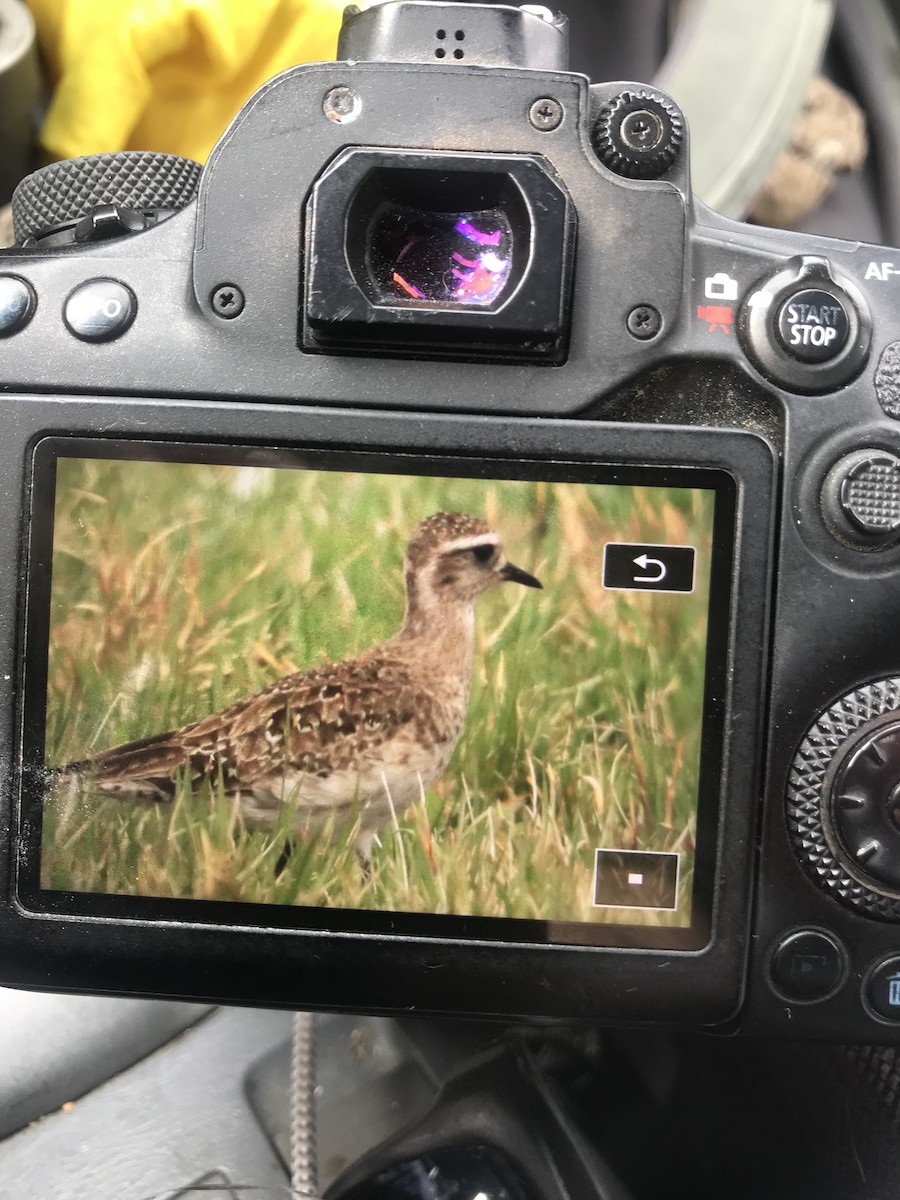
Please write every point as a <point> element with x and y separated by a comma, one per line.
<point>469,543</point>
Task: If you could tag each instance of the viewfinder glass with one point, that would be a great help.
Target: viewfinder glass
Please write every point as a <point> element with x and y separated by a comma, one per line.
<point>415,695</point>
<point>442,257</point>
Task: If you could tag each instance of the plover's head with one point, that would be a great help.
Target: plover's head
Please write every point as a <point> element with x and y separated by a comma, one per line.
<point>454,557</point>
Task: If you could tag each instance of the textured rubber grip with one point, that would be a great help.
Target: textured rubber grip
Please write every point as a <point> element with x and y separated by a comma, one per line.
<point>66,191</point>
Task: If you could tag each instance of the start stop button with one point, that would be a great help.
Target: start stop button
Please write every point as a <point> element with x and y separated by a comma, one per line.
<point>807,327</point>
<point>812,326</point>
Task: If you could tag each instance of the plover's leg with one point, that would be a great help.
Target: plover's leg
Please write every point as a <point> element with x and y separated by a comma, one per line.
<point>364,851</point>
<point>284,857</point>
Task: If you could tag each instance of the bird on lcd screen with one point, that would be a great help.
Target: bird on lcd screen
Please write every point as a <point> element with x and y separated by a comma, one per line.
<point>353,741</point>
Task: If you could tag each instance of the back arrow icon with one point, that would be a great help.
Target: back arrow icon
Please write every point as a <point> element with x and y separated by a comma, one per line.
<point>645,562</point>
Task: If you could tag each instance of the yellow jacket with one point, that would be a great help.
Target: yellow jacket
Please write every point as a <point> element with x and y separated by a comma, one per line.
<point>167,74</point>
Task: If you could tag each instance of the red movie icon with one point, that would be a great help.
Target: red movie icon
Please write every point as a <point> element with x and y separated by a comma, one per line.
<point>719,316</point>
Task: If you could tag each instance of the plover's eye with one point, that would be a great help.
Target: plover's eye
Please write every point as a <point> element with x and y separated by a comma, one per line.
<point>483,553</point>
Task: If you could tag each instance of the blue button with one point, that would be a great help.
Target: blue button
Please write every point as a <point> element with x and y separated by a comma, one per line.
<point>17,304</point>
<point>100,310</point>
<point>882,990</point>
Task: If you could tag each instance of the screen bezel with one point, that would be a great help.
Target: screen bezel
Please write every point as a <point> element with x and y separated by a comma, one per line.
<point>486,930</point>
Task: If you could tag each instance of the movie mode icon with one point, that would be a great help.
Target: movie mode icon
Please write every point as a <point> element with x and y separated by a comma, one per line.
<point>629,566</point>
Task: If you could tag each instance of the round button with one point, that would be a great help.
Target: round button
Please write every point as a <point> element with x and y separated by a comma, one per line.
<point>869,492</point>
<point>812,326</point>
<point>807,965</point>
<point>865,805</point>
<point>100,310</point>
<point>882,990</point>
<point>17,304</point>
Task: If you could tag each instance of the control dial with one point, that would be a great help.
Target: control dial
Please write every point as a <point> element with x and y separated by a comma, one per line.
<point>102,195</point>
<point>865,804</point>
<point>843,800</point>
<point>638,134</point>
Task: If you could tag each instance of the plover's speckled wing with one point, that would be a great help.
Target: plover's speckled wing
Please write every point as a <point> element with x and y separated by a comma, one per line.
<point>332,720</point>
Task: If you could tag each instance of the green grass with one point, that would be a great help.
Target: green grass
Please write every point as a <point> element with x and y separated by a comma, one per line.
<point>178,589</point>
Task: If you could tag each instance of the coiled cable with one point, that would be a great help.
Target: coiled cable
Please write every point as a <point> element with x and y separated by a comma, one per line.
<point>304,1165</point>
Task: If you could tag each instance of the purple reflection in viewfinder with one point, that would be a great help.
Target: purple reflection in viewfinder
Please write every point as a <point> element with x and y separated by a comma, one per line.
<point>467,229</point>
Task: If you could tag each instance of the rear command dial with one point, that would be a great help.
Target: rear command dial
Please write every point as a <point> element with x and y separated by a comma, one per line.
<point>865,805</point>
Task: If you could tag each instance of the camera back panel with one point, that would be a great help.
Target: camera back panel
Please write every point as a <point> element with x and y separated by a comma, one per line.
<point>569,329</point>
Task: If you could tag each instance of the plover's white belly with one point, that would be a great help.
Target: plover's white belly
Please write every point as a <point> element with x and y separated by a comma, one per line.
<point>380,786</point>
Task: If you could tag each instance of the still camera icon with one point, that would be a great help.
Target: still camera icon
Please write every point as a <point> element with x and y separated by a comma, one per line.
<point>720,287</point>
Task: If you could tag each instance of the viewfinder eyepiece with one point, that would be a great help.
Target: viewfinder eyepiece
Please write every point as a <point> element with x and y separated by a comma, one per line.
<point>438,253</point>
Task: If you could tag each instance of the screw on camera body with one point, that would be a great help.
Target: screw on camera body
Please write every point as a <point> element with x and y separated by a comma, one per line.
<point>342,105</point>
<point>546,114</point>
<point>642,130</point>
<point>644,322</point>
<point>227,301</point>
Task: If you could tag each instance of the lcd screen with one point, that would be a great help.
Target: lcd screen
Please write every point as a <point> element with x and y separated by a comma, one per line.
<point>375,692</point>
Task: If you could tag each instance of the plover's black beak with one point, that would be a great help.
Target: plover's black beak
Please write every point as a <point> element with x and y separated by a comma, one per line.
<point>517,575</point>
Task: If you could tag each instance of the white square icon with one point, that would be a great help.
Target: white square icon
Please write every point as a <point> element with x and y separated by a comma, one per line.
<point>720,287</point>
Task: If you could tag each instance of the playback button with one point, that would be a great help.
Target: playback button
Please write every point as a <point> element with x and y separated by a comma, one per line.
<point>633,567</point>
<point>808,965</point>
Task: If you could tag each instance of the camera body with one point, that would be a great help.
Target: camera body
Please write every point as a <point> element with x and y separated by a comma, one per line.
<point>598,343</point>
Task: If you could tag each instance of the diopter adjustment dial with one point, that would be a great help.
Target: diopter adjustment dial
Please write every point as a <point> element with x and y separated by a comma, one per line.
<point>638,134</point>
